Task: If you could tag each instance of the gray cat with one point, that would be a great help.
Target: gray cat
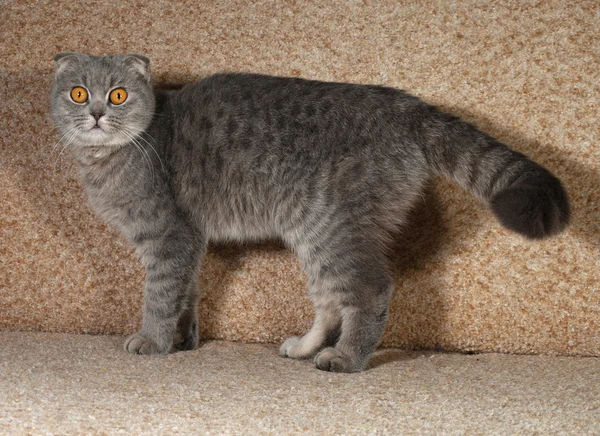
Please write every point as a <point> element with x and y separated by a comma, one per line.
<point>331,169</point>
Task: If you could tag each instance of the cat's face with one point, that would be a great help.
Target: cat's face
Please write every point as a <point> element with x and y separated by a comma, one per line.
<point>100,101</point>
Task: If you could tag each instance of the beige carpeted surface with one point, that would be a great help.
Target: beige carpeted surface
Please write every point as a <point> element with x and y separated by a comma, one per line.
<point>75,384</point>
<point>524,71</point>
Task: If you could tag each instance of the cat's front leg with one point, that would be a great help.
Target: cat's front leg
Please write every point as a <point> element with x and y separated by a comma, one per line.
<point>188,336</point>
<point>170,295</point>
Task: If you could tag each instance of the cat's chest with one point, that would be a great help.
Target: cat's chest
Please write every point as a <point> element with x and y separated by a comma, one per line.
<point>115,209</point>
<point>124,203</point>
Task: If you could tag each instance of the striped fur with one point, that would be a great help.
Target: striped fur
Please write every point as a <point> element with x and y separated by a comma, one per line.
<point>331,169</point>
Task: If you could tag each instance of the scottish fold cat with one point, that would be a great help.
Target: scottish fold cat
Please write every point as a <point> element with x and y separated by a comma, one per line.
<point>331,169</point>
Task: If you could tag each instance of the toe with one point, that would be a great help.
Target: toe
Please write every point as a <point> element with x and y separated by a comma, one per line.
<point>331,359</point>
<point>137,344</point>
<point>286,349</point>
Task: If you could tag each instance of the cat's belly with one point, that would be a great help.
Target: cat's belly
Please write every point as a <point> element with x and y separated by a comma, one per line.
<point>228,226</point>
<point>239,232</point>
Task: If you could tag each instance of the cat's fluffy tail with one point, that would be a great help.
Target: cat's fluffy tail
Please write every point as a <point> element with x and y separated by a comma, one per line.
<point>524,196</point>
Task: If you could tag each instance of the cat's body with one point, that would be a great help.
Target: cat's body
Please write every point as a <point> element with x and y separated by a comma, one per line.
<point>331,169</point>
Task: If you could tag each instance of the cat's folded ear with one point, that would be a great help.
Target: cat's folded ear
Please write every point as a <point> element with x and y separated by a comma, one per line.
<point>65,61</point>
<point>138,63</point>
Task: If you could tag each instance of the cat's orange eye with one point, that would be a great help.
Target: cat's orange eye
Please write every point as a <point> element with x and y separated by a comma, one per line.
<point>118,96</point>
<point>79,94</point>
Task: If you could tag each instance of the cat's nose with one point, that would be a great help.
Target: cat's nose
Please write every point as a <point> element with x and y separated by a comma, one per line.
<point>97,115</point>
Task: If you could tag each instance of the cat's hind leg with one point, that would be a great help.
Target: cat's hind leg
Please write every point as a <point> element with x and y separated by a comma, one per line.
<point>356,269</point>
<point>364,310</point>
<point>325,331</point>
<point>351,287</point>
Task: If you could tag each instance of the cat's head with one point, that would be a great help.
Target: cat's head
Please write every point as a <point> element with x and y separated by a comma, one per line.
<point>101,101</point>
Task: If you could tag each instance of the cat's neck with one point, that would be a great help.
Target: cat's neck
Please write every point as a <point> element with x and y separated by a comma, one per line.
<point>104,169</point>
<point>93,155</point>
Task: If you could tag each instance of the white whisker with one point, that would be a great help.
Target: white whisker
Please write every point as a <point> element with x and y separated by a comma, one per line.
<point>60,140</point>
<point>69,140</point>
<point>142,151</point>
<point>139,136</point>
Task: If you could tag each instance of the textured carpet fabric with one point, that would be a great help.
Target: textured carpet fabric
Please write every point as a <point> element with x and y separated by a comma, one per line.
<point>526,72</point>
<point>77,384</point>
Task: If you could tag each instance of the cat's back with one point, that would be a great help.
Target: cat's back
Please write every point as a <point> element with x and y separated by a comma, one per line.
<point>248,146</point>
<point>275,92</point>
<point>242,112</point>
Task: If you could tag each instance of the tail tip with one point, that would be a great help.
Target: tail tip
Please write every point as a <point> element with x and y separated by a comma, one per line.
<point>536,209</point>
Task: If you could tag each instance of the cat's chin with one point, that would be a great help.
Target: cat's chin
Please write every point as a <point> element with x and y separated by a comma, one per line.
<point>97,137</point>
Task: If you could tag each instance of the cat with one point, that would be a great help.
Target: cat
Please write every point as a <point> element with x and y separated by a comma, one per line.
<point>331,169</point>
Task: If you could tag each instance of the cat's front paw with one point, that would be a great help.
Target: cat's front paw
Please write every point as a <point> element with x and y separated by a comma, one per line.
<point>331,359</point>
<point>187,338</point>
<point>137,344</point>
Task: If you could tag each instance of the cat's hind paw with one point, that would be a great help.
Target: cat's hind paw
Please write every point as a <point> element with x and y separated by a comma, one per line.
<point>288,346</point>
<point>297,348</point>
<point>331,359</point>
<point>137,344</point>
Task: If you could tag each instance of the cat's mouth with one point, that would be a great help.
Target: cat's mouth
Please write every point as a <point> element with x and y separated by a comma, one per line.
<point>94,135</point>
<point>97,127</point>
<point>97,131</point>
<point>101,136</point>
